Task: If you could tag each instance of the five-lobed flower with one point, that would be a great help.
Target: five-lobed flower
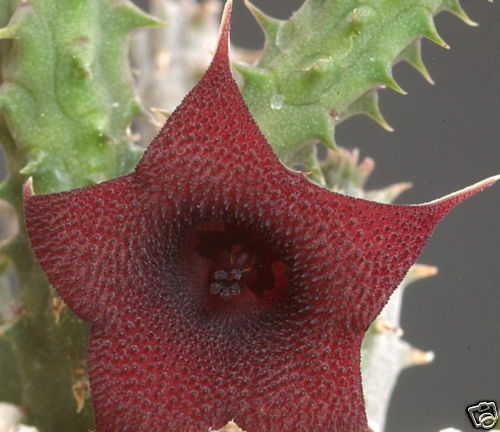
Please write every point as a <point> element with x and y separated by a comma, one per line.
<point>220,284</point>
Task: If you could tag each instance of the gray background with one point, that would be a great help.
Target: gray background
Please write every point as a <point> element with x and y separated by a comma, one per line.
<point>447,137</point>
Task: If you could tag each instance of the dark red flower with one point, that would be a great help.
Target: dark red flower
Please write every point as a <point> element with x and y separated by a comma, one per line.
<point>221,285</point>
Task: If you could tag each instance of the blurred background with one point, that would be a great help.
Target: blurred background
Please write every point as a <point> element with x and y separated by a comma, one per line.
<point>447,136</point>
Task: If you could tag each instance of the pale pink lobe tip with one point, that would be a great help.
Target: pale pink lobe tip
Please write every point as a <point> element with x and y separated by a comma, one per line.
<point>223,43</point>
<point>28,189</point>
<point>447,202</point>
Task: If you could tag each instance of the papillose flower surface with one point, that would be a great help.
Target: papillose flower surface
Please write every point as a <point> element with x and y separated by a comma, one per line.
<point>220,284</point>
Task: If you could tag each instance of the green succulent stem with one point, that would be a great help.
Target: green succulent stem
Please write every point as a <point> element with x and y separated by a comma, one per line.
<point>66,101</point>
<point>328,61</point>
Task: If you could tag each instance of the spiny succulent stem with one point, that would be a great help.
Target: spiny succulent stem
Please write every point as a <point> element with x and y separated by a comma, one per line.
<point>66,100</point>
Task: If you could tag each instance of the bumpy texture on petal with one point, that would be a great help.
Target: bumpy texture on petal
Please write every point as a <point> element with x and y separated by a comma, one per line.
<point>221,285</point>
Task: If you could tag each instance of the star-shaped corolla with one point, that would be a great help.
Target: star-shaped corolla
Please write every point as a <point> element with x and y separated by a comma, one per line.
<point>220,284</point>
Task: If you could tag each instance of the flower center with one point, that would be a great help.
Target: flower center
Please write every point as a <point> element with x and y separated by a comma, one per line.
<point>234,271</point>
<point>241,263</point>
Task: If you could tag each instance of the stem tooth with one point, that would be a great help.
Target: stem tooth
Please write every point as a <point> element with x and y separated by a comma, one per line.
<point>429,31</point>
<point>413,55</point>
<point>269,25</point>
<point>456,9</point>
<point>368,104</point>
<point>419,357</point>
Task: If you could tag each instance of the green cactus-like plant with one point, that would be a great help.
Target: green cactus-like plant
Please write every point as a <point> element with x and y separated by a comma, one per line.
<point>327,63</point>
<point>66,99</point>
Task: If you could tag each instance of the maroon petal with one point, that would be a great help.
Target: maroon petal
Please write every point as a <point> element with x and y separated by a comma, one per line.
<point>221,285</point>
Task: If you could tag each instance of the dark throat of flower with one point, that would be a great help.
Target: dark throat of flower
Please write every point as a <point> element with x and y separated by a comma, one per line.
<point>241,265</point>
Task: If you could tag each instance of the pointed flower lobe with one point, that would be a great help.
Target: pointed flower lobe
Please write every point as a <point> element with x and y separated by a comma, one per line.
<point>221,285</point>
